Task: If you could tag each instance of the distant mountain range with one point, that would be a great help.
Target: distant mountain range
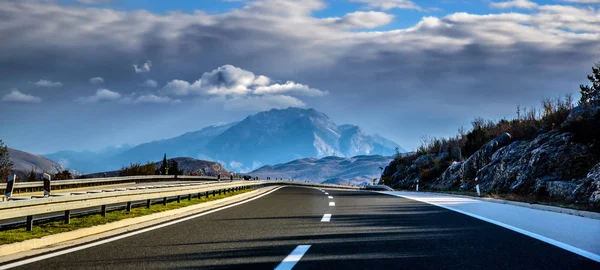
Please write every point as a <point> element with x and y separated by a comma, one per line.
<point>333,170</point>
<point>268,137</point>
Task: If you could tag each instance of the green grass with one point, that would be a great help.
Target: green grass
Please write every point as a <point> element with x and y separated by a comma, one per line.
<point>44,228</point>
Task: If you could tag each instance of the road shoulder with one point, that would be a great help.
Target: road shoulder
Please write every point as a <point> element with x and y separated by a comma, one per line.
<point>577,234</point>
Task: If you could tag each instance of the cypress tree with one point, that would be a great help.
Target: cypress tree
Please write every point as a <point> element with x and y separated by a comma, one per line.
<point>591,94</point>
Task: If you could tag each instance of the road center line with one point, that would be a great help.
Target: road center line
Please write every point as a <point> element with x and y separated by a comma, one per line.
<point>326,218</point>
<point>293,258</point>
<point>330,197</point>
<point>331,203</point>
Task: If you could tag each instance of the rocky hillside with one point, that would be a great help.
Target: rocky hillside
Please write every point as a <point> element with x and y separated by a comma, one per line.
<point>192,166</point>
<point>189,166</point>
<point>24,162</point>
<point>559,162</point>
<point>333,170</point>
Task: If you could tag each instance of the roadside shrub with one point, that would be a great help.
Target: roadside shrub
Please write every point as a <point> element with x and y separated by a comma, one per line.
<point>475,140</point>
<point>138,169</point>
<point>64,175</point>
<point>555,112</point>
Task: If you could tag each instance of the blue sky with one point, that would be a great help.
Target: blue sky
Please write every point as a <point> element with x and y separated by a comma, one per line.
<point>398,68</point>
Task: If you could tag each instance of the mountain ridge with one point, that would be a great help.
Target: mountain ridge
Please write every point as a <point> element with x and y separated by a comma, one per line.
<point>355,170</point>
<point>268,137</point>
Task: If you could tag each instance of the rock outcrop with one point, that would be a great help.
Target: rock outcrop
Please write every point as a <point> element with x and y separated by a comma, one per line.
<point>461,175</point>
<point>561,163</point>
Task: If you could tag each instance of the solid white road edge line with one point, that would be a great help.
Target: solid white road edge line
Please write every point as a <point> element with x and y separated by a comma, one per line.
<point>331,203</point>
<point>62,252</point>
<point>584,253</point>
<point>330,197</point>
<point>326,218</point>
<point>293,258</point>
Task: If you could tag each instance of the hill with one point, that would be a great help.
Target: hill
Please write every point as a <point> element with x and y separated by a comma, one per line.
<point>24,162</point>
<point>334,170</point>
<point>189,166</point>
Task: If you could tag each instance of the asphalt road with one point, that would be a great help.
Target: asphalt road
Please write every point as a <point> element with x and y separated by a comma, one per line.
<point>366,231</point>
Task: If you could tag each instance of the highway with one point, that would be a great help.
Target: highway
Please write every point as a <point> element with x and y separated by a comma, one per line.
<point>306,228</point>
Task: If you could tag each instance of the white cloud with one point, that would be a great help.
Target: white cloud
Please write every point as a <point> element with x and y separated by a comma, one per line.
<point>362,19</point>
<point>389,4</point>
<point>228,80</point>
<point>289,88</point>
<point>151,98</point>
<point>97,80</point>
<point>177,88</point>
<point>261,80</point>
<point>526,4</point>
<point>143,68</point>
<point>100,96</point>
<point>16,96</point>
<point>47,83</point>
<point>239,89</point>
<point>150,83</point>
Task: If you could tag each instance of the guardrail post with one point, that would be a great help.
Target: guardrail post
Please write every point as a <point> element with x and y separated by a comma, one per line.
<point>165,201</point>
<point>178,199</point>
<point>29,223</point>
<point>219,192</point>
<point>207,194</point>
<point>148,202</point>
<point>128,206</point>
<point>214,192</point>
<point>67,216</point>
<point>103,211</point>
<point>189,197</point>
<point>199,195</point>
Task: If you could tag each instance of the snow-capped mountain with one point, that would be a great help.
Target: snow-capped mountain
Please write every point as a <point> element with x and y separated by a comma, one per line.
<point>268,137</point>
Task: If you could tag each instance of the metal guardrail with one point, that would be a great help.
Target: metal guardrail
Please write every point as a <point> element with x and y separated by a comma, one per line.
<point>53,204</point>
<point>101,198</point>
<point>62,184</point>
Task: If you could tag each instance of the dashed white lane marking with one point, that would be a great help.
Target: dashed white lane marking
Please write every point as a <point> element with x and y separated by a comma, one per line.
<point>331,203</point>
<point>330,197</point>
<point>93,244</point>
<point>293,258</point>
<point>326,193</point>
<point>326,218</point>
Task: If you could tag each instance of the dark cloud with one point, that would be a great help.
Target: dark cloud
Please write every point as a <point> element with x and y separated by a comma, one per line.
<point>442,69</point>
